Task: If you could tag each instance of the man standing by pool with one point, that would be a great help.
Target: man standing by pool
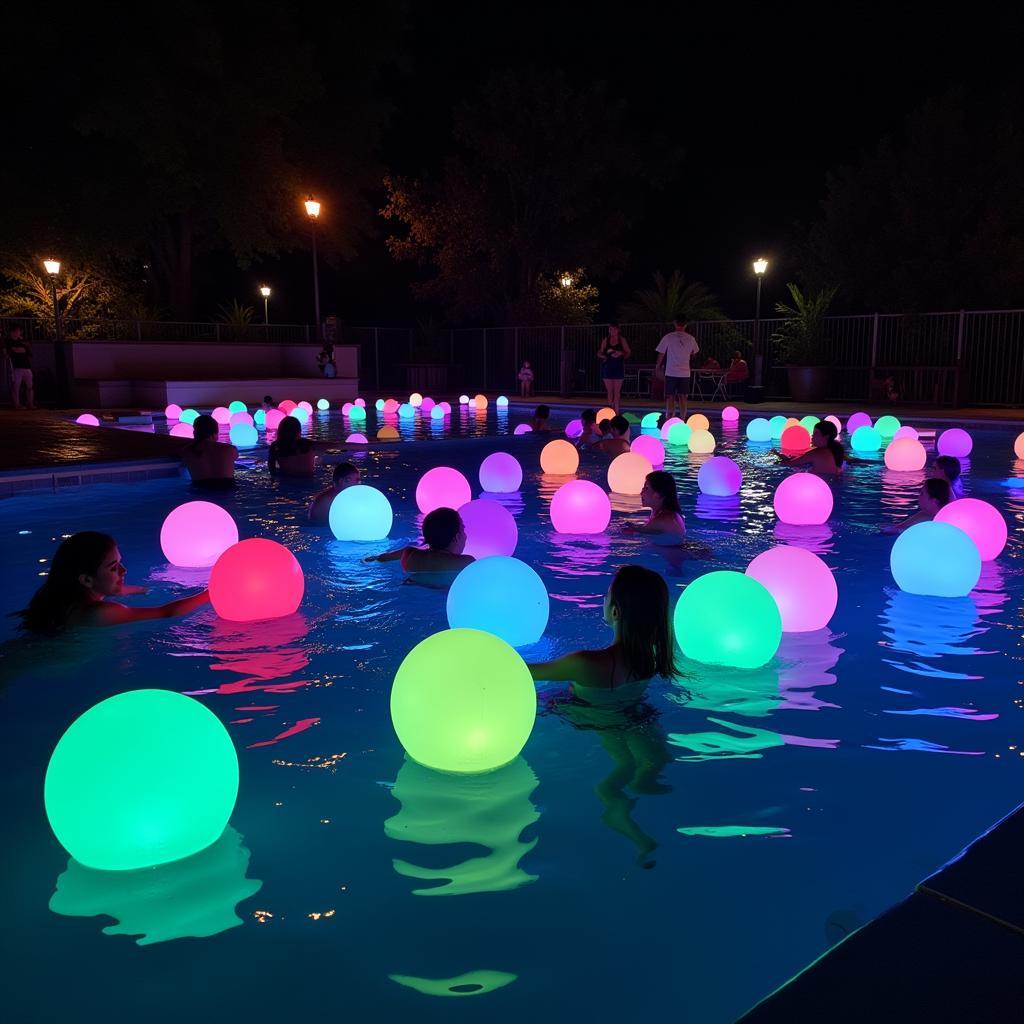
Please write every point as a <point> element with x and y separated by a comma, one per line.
<point>20,355</point>
<point>674,352</point>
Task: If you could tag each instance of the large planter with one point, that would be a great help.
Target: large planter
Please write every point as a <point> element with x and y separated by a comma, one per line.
<point>808,383</point>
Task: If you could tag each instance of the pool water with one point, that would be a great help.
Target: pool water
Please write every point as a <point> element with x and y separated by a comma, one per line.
<point>796,801</point>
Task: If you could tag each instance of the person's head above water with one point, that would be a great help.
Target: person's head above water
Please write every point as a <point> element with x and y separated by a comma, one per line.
<point>204,427</point>
<point>542,412</point>
<point>824,435</point>
<point>945,467</point>
<point>587,417</point>
<point>443,531</point>
<point>637,608</point>
<point>619,426</point>
<point>268,402</point>
<point>289,432</point>
<point>345,475</point>
<point>935,494</point>
<point>659,492</point>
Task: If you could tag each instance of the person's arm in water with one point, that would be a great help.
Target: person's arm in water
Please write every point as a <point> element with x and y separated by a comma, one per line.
<point>109,613</point>
<point>660,522</point>
<point>390,556</point>
<point>906,524</point>
<point>566,668</point>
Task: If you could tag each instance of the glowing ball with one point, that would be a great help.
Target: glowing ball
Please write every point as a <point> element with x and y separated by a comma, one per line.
<point>865,439</point>
<point>905,454</point>
<point>809,422</point>
<point>668,425</point>
<point>436,413</point>
<point>730,414</point>
<point>500,473</point>
<point>650,448</point>
<point>490,528</point>
<point>803,499</point>
<point>791,421</point>
<point>650,421</point>
<point>627,472</point>
<point>361,402</point>
<point>406,411</point>
<point>580,507</point>
<point>698,421</point>
<point>379,405</point>
<point>188,416</point>
<point>1018,446</point>
<point>173,411</point>
<point>795,439</point>
<point>480,401</point>
<point>196,534</point>
<point>501,402</point>
<point>720,476</point>
<point>415,399</point>
<point>574,428</point>
<point>836,422</point>
<point>87,419</point>
<point>777,424</point>
<point>955,442</point>
<point>559,458</point>
<point>905,431</point>
<point>447,407</point>
<point>307,406</point>
<point>237,406</point>
<point>387,434</point>
<point>300,413</point>
<point>858,419</point>
<point>935,559</point>
<point>360,513</point>
<point>140,779</point>
<point>256,579</point>
<point>183,430</point>
<point>522,428</point>
<point>726,618</point>
<point>390,406</point>
<point>463,399</point>
<point>243,435</point>
<point>240,417</point>
<point>759,429</point>
<point>702,442</point>
<point>463,701</point>
<point>356,439</point>
<point>221,415</point>
<point>357,412</point>
<point>273,419</point>
<point>442,487</point>
<point>286,406</point>
<point>801,583</point>
<point>500,595</point>
<point>427,405</point>
<point>605,413</point>
<point>887,426</point>
<point>679,434</point>
<point>322,404</point>
<point>981,522</point>
<point>347,408</point>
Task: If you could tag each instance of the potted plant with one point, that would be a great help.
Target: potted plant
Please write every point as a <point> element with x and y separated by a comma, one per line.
<point>801,345</point>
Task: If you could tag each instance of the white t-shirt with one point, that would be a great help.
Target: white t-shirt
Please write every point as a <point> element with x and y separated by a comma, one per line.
<point>678,347</point>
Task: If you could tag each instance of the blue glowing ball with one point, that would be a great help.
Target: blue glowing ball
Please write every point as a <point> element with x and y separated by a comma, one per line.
<point>406,411</point>
<point>243,435</point>
<point>360,512</point>
<point>379,405</point>
<point>437,412</point>
<point>322,404</point>
<point>502,402</point>
<point>719,476</point>
<point>259,417</point>
<point>777,424</point>
<point>866,439</point>
<point>935,559</point>
<point>500,473</point>
<point>759,429</point>
<point>500,595</point>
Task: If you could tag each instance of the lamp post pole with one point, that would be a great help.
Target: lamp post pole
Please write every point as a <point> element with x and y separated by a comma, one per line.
<point>265,292</point>
<point>760,266</point>
<point>313,212</point>
<point>52,268</point>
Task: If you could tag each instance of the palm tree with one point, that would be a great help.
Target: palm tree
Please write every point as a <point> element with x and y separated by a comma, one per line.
<point>671,299</point>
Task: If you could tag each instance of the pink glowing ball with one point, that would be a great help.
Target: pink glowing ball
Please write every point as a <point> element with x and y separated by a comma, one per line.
<point>256,579</point>
<point>286,406</point>
<point>500,473</point>
<point>730,414</point>
<point>490,529</point>
<point>803,499</point>
<point>981,522</point>
<point>442,487</point>
<point>196,534</point>
<point>574,428</point>
<point>173,411</point>
<point>837,422</point>
<point>801,583</point>
<point>905,454</point>
<point>905,432</point>
<point>650,448</point>
<point>955,442</point>
<point>356,439</point>
<point>347,408</point>
<point>273,419</point>
<point>361,402</point>
<point>88,420</point>
<point>628,472</point>
<point>182,430</point>
<point>580,507</point>
<point>858,419</point>
<point>795,439</point>
<point>427,404</point>
<point>241,417</point>
<point>523,428</point>
<point>668,425</point>
<point>720,476</point>
<point>308,406</point>
<point>222,415</point>
<point>391,405</point>
<point>446,407</point>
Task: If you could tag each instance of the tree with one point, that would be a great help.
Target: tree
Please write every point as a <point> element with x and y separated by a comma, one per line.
<point>800,339</point>
<point>670,299</point>
<point>567,297</point>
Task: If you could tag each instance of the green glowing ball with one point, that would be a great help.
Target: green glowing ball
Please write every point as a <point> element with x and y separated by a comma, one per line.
<point>650,421</point>
<point>143,778</point>
<point>727,618</point>
<point>809,422</point>
<point>463,701</point>
<point>887,427</point>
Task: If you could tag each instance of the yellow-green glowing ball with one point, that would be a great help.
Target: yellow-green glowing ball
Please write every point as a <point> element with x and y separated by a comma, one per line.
<point>726,618</point>
<point>463,701</point>
<point>143,778</point>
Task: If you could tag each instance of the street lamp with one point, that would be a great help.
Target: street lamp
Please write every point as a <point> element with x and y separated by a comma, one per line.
<point>265,292</point>
<point>313,213</point>
<point>760,266</point>
<point>52,268</point>
<point>566,280</point>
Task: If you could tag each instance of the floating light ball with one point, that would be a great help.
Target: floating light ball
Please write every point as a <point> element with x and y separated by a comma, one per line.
<point>500,595</point>
<point>490,528</point>
<point>301,414</point>
<point>574,428</point>
<point>801,583</point>
<point>1018,446</point>
<point>809,423</point>
<point>221,415</point>
<point>759,429</point>
<point>237,406</point>
<point>580,507</point>
<point>286,406</point>
<point>501,402</point>
<point>361,402</point>
<point>559,458</point>
<point>415,400</point>
<point>183,430</point>
<point>273,419</point>
<point>720,476</point>
<point>463,399</point>
<point>836,422</point>
<point>188,415</point>
<point>463,701</point>
<point>795,439</point>
<point>679,434</point>
<point>791,421</point>
<point>627,473</point>
<point>866,439</point>
<point>87,419</point>
<point>727,618</point>
<point>668,425</point>
<point>887,427</point>
<point>356,439</point>
<point>480,401</point>
<point>606,413</point>
<point>437,414</point>
<point>347,408</point>
<point>935,559</point>
<point>447,407</point>
<point>858,419</point>
<point>650,421</point>
<point>650,448</point>
<point>522,428</point>
<point>956,442</point>
<point>701,442</point>
<point>803,499</point>
<point>240,417</point>
<point>500,473</point>
<point>390,406</point>
<point>256,579</point>
<point>698,421</point>
<point>406,411</point>
<point>905,455</point>
<point>777,425</point>
<point>360,513</point>
<point>260,417</point>
<point>173,411</point>
<point>196,534</point>
<point>387,434</point>
<point>905,431</point>
<point>140,779</point>
<point>981,522</point>
<point>357,413</point>
<point>442,487</point>
<point>427,404</point>
<point>243,435</point>
<point>379,405</point>
<point>730,414</point>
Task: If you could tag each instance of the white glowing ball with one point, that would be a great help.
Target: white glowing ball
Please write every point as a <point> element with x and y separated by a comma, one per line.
<point>415,399</point>
<point>981,521</point>
<point>730,414</point>
<point>244,435</point>
<point>222,414</point>
<point>361,402</point>
<point>580,507</point>
<point>241,417</point>
<point>173,411</point>
<point>273,419</point>
<point>436,413</point>
<point>702,442</point>
<point>442,487</point>
<point>500,473</point>
<point>196,534</point>
<point>183,430</point>
<point>905,431</point>
<point>360,513</point>
<point>307,406</point>
<point>801,583</point>
<point>88,420</point>
<point>522,428</point>
<point>379,405</point>
<point>865,439</point>
<point>858,419</point>
<point>490,528</point>
<point>574,428</point>
<point>803,499</point>
<point>501,402</point>
<point>935,559</point>
<point>720,476</point>
<point>668,425</point>
<point>905,454</point>
<point>628,472</point>
<point>837,423</point>
<point>463,399</point>
<point>503,596</point>
<point>322,404</point>
<point>356,439</point>
<point>698,421</point>
<point>956,442</point>
<point>650,448</point>
<point>406,411</point>
<point>559,458</point>
<point>759,429</point>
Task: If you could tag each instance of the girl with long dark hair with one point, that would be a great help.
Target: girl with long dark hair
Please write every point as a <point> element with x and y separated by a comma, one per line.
<point>665,522</point>
<point>826,456</point>
<point>291,454</point>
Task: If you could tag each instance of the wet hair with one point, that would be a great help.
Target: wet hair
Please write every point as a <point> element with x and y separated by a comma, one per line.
<point>827,429</point>
<point>938,490</point>
<point>619,423</point>
<point>289,433</point>
<point>267,400</point>
<point>342,470</point>
<point>203,427</point>
<point>950,466</point>
<point>664,485</point>
<point>440,527</point>
<point>62,594</point>
<point>542,412</point>
<point>588,416</point>
<point>645,629</point>
<point>604,425</point>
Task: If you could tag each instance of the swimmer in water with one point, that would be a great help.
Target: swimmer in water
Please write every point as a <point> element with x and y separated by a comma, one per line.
<point>947,467</point>
<point>666,522</point>
<point>445,537</point>
<point>617,441</point>
<point>345,475</point>
<point>291,454</point>
<point>591,433</point>
<point>826,456</point>
<point>539,423</point>
<point>935,494</point>
<point>210,463</point>
<point>85,572</point>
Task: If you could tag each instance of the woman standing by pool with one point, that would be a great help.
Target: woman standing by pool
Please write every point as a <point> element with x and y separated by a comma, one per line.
<point>613,353</point>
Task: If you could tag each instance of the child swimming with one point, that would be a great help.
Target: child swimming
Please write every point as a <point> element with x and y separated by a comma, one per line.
<point>666,523</point>
<point>617,441</point>
<point>445,537</point>
<point>539,423</point>
<point>591,433</point>
<point>935,494</point>
<point>947,467</point>
<point>826,456</point>
<point>345,475</point>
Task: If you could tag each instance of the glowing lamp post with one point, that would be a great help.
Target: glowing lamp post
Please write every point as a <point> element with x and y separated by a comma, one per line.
<point>265,292</point>
<point>760,267</point>
<point>566,280</point>
<point>313,213</point>
<point>52,268</point>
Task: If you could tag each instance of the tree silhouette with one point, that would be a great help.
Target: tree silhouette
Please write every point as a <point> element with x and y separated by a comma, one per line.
<point>669,299</point>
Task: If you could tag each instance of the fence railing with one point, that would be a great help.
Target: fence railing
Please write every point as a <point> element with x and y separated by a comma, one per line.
<point>76,329</point>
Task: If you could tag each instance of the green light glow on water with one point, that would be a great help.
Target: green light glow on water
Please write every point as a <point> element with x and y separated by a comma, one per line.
<point>732,831</point>
<point>472,983</point>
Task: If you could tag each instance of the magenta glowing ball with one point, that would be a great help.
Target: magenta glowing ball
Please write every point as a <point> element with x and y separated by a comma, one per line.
<point>446,407</point>
<point>490,528</point>
<point>500,473</point>
<point>87,419</point>
<point>580,507</point>
<point>390,406</point>
<point>801,583</point>
<point>361,402</point>
<point>803,499</point>
<point>347,408</point>
<point>183,430</point>
<point>730,414</point>
<point>256,579</point>
<point>286,406</point>
<point>668,425</point>
<point>905,454</point>
<point>795,439</point>
<point>981,521</point>
<point>196,534</point>
<point>427,404</point>
<point>221,414</point>
<point>307,406</point>
<point>356,439</point>
<point>442,487</point>
<point>837,423</point>
<point>274,418</point>
<point>905,431</point>
<point>955,442</point>
<point>173,411</point>
<point>650,448</point>
<point>858,419</point>
<point>522,428</point>
<point>241,417</point>
<point>574,428</point>
<point>720,476</point>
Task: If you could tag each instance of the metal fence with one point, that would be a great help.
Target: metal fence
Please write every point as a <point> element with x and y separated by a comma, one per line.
<point>75,329</point>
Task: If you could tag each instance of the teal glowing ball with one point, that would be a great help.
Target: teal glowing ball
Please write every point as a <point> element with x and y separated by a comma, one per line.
<point>143,778</point>
<point>379,405</point>
<point>935,559</point>
<point>727,618</point>
<point>322,404</point>
<point>188,416</point>
<point>243,435</point>
<point>887,427</point>
<point>809,423</point>
<point>260,417</point>
<point>357,412</point>
<point>300,413</point>
<point>360,513</point>
<point>777,424</point>
<point>237,406</point>
<point>650,421</point>
<point>406,411</point>
<point>500,595</point>
<point>759,429</point>
<point>866,439</point>
<point>679,434</point>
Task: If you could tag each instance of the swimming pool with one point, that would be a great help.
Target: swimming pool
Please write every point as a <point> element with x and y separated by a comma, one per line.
<point>811,794</point>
